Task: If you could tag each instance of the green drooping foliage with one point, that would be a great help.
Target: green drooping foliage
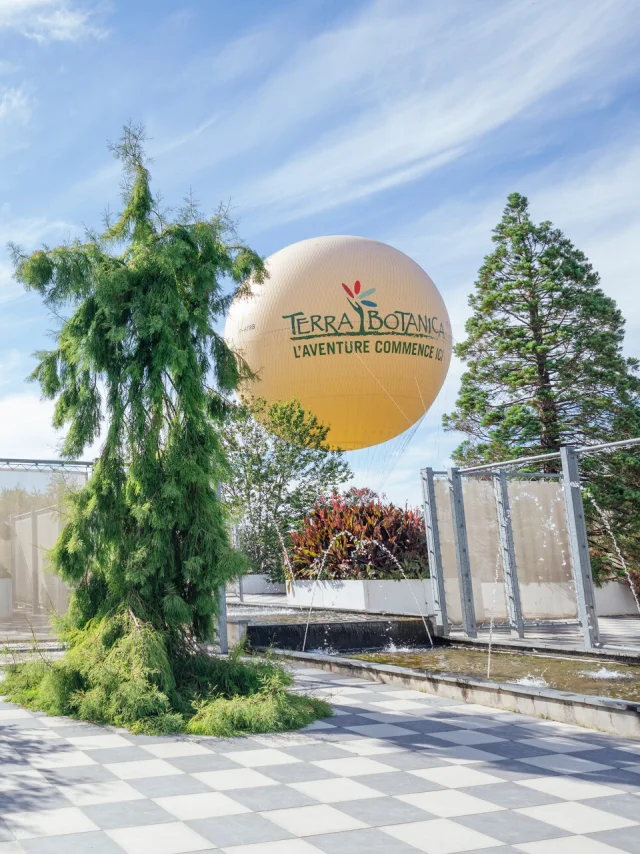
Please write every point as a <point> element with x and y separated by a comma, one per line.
<point>117,671</point>
<point>545,367</point>
<point>280,462</point>
<point>145,547</point>
<point>368,520</point>
<point>139,346</point>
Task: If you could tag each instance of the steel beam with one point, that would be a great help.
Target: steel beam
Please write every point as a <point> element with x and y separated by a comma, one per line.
<point>579,546</point>
<point>435,555</point>
<point>508,554</point>
<point>462,553</point>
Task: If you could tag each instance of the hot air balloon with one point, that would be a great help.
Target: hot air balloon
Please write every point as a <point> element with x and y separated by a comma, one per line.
<point>352,328</point>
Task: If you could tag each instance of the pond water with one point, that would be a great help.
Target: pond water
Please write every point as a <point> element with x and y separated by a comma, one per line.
<point>581,675</point>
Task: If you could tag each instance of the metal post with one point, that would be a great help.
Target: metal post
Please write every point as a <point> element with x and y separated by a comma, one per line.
<point>13,563</point>
<point>35,580</point>
<point>462,553</point>
<point>580,562</point>
<point>223,641</point>
<point>508,552</point>
<point>435,555</point>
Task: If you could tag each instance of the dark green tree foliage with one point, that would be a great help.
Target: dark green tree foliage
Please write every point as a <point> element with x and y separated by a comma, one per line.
<point>280,463</point>
<point>148,531</point>
<point>544,367</point>
<point>145,545</point>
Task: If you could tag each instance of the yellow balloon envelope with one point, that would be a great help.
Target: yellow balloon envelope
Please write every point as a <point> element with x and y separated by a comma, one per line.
<point>352,328</point>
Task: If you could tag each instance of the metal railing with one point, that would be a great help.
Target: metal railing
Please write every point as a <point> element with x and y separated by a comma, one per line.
<point>576,527</point>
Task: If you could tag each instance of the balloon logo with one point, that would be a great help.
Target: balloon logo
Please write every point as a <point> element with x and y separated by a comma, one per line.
<point>353,328</point>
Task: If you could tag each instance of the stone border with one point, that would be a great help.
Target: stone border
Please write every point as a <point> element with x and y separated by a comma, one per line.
<point>619,717</point>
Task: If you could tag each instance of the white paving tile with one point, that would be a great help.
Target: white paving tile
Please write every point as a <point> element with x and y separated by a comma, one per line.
<point>336,791</point>
<point>313,820</point>
<point>469,737</point>
<point>448,803</point>
<point>171,838</point>
<point>285,846</point>
<point>29,825</point>
<point>91,792</point>
<point>261,758</point>
<point>456,776</point>
<point>204,805</point>
<point>440,836</point>
<point>369,747</point>
<point>60,759</point>
<point>99,742</point>
<point>576,817</point>
<point>242,778</point>
<point>355,766</point>
<point>559,744</point>
<point>175,749</point>
<point>568,788</point>
<point>567,845</point>
<point>142,768</point>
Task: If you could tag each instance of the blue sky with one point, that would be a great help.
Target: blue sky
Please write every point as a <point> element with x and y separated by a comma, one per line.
<point>408,121</point>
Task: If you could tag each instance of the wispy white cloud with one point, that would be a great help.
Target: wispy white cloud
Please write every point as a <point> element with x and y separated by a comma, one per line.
<point>418,88</point>
<point>15,105</point>
<point>49,20</point>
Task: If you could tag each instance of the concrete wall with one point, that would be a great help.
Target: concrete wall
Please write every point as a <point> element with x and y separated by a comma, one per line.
<point>387,597</point>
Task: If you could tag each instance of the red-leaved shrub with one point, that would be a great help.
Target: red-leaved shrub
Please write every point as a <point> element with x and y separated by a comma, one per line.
<point>367,519</point>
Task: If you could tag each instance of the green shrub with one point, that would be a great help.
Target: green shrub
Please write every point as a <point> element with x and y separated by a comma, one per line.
<point>120,671</point>
<point>367,520</point>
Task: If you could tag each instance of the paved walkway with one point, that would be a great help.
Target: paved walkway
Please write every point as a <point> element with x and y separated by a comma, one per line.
<point>393,772</point>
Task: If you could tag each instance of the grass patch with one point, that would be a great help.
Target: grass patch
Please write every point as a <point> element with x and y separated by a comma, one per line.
<point>122,672</point>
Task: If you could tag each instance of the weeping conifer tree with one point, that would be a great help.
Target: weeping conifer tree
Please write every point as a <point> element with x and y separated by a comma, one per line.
<point>145,546</point>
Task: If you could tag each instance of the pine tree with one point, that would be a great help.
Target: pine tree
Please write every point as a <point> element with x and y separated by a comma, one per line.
<point>544,367</point>
<point>146,546</point>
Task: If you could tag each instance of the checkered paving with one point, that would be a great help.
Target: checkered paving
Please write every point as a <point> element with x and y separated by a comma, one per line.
<point>393,772</point>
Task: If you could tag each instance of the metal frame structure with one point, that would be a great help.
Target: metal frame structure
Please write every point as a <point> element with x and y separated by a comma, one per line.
<point>499,472</point>
<point>9,464</point>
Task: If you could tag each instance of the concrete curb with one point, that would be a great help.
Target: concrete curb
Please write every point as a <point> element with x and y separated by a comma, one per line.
<point>619,717</point>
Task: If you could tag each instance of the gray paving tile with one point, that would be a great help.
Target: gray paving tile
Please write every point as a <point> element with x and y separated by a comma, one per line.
<point>625,838</point>
<point>119,754</point>
<point>619,778</point>
<point>315,752</point>
<point>165,787</point>
<point>5,834</point>
<point>80,729</point>
<point>127,814</point>
<point>29,798</point>
<point>515,750</point>
<point>296,772</point>
<point>367,841</point>
<point>81,774</point>
<point>625,805</point>
<point>378,812</point>
<point>238,830</point>
<point>413,760</point>
<point>510,796</point>
<point>511,827</point>
<point>427,725</point>
<point>512,769</point>
<point>264,798</point>
<point>193,764</point>
<point>398,783</point>
<point>94,842</point>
